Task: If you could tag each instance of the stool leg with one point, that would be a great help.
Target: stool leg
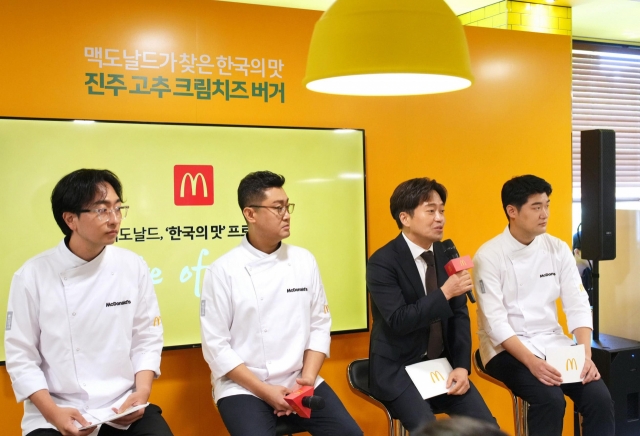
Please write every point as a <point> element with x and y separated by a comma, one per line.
<point>525,417</point>
<point>516,414</point>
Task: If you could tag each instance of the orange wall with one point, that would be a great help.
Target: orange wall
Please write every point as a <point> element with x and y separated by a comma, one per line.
<point>515,119</point>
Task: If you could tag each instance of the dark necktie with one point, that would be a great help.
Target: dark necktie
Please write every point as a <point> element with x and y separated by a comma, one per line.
<point>435,346</point>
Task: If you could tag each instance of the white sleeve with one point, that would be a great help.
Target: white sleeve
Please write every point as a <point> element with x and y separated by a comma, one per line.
<point>575,301</point>
<point>320,323</point>
<point>147,335</point>
<point>216,317</point>
<point>21,341</point>
<point>488,287</point>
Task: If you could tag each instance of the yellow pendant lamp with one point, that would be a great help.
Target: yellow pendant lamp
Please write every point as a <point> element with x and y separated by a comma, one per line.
<point>388,47</point>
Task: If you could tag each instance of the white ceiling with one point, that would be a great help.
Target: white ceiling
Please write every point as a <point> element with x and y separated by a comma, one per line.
<point>613,20</point>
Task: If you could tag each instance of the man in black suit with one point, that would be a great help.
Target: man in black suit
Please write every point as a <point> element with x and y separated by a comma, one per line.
<point>418,312</point>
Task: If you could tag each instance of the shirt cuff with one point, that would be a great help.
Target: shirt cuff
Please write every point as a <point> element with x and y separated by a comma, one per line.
<point>26,385</point>
<point>225,362</point>
<point>146,362</point>
<point>579,321</point>
<point>320,342</point>
<point>500,333</point>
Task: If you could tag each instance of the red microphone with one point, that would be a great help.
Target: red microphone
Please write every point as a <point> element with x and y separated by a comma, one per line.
<point>457,263</point>
<point>302,401</point>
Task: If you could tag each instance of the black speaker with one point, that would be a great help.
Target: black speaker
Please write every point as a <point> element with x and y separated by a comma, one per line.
<point>598,181</point>
<point>618,361</point>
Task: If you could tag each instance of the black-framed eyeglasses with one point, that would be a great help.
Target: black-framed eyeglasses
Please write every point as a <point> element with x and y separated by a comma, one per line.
<point>279,209</point>
<point>104,214</point>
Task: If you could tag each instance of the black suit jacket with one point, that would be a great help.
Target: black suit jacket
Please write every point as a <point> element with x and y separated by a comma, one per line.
<point>402,314</point>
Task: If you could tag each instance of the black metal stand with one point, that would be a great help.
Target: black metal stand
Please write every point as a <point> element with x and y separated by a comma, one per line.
<point>595,297</point>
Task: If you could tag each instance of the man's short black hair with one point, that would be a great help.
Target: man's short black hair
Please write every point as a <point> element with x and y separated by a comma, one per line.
<point>516,191</point>
<point>76,191</point>
<point>459,426</point>
<point>410,194</point>
<point>252,187</point>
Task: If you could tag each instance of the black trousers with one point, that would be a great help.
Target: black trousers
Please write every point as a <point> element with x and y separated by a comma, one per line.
<point>151,424</point>
<point>414,412</point>
<point>547,403</point>
<point>246,415</point>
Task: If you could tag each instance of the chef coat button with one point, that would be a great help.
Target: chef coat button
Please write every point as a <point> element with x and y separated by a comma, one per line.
<point>264,330</point>
<point>74,314</point>
<point>261,298</point>
<point>269,362</point>
<point>77,349</point>
<point>64,278</point>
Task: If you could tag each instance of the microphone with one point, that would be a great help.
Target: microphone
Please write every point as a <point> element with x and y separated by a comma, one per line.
<point>313,402</point>
<point>457,263</point>
<point>302,401</point>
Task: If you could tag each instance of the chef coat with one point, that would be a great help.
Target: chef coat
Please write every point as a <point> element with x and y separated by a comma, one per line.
<point>80,329</point>
<point>517,287</point>
<point>263,310</point>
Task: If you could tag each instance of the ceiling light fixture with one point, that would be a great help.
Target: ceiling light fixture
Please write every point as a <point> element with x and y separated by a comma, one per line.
<point>388,47</point>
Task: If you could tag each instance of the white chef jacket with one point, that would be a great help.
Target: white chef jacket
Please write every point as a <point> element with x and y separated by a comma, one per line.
<point>263,310</point>
<point>517,287</point>
<point>80,329</point>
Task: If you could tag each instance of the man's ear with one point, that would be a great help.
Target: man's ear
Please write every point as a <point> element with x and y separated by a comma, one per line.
<point>249,214</point>
<point>71,219</point>
<point>512,211</point>
<point>405,219</point>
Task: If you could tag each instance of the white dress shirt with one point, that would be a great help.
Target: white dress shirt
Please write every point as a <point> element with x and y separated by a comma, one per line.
<point>263,310</point>
<point>421,264</point>
<point>80,329</point>
<point>517,287</point>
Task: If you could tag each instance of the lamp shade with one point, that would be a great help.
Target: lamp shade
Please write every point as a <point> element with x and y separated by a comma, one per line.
<point>388,47</point>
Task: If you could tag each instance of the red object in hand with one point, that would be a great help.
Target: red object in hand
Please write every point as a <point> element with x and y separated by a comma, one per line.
<point>294,399</point>
<point>458,264</point>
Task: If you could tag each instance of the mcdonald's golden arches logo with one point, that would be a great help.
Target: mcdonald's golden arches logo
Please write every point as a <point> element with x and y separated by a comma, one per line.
<point>157,321</point>
<point>193,185</point>
<point>436,376</point>
<point>463,262</point>
<point>571,364</point>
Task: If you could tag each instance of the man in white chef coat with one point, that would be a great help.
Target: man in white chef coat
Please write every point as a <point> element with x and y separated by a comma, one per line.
<point>83,335</point>
<point>265,322</point>
<point>518,276</point>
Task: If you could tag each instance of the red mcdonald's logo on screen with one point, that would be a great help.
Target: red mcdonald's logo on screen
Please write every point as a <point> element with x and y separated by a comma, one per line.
<point>193,185</point>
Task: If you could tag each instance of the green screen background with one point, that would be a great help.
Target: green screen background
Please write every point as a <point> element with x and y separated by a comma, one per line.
<point>324,170</point>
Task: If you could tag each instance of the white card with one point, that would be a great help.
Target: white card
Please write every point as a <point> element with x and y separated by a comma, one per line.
<point>430,376</point>
<point>115,416</point>
<point>568,360</point>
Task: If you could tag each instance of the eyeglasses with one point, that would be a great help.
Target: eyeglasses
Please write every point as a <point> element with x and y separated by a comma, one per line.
<point>279,209</point>
<point>120,212</point>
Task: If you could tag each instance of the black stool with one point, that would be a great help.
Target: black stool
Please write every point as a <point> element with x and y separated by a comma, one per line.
<point>286,428</point>
<point>358,376</point>
<point>520,406</point>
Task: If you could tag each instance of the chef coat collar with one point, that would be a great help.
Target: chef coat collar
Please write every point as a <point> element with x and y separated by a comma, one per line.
<point>514,245</point>
<point>254,251</point>
<point>68,257</point>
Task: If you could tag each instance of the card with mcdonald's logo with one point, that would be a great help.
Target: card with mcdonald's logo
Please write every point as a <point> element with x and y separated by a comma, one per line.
<point>569,361</point>
<point>430,376</point>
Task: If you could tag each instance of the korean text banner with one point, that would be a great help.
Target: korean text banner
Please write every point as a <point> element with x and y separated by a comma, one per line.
<point>180,182</point>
